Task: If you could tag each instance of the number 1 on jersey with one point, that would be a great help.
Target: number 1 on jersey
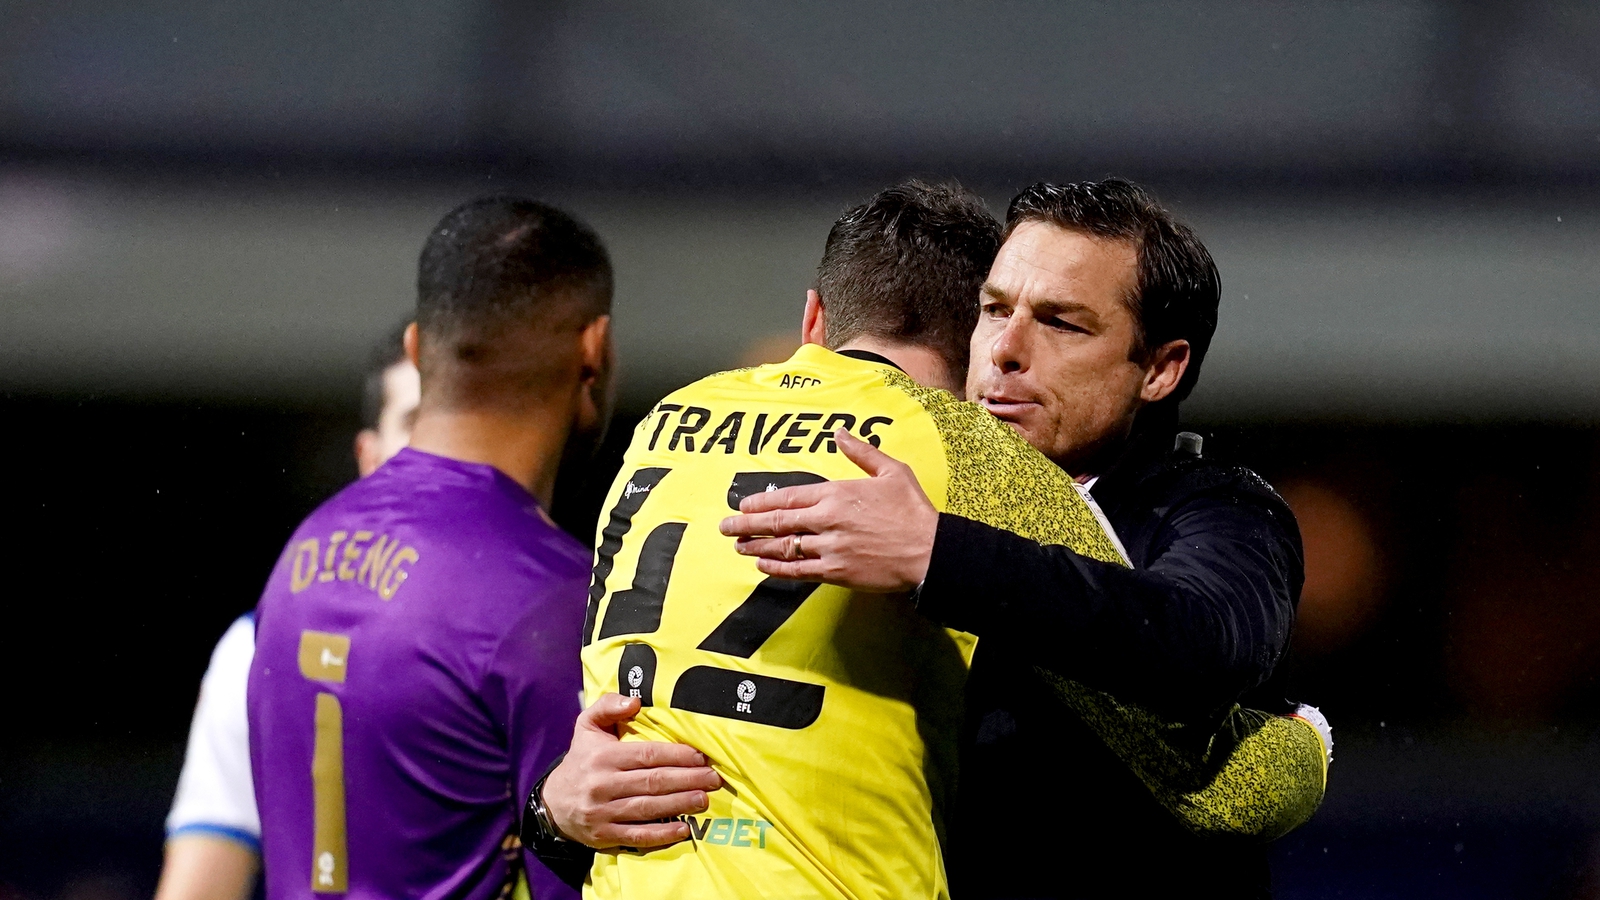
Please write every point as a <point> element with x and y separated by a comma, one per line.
<point>330,869</point>
<point>324,659</point>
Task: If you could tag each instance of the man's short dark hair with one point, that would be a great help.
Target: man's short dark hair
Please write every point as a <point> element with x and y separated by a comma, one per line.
<point>908,266</point>
<point>1178,286</point>
<point>499,267</point>
<point>384,355</point>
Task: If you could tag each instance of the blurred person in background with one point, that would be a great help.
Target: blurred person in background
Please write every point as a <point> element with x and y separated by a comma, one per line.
<point>213,832</point>
<point>416,660</point>
<point>1092,327</point>
<point>389,398</point>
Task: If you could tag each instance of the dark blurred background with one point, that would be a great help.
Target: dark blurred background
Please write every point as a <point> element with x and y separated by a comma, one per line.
<point>209,211</point>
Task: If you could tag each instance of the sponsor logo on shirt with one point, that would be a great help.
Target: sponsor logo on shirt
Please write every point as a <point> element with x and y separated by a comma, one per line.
<point>729,832</point>
<point>323,656</point>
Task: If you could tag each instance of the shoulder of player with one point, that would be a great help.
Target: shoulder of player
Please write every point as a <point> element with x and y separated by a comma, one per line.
<point>699,390</point>
<point>804,371</point>
<point>502,570</point>
<point>517,541</point>
<point>794,409</point>
<point>230,660</point>
<point>321,524</point>
<point>321,516</point>
<point>714,388</point>
<point>497,589</point>
<point>499,543</point>
<point>558,553</point>
<point>238,642</point>
<point>943,410</point>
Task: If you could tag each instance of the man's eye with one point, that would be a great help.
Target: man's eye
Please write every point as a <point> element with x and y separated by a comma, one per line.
<point>995,310</point>
<point>1064,325</point>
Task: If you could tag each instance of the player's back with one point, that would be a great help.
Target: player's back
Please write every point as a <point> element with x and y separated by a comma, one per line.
<point>832,717</point>
<point>413,643</point>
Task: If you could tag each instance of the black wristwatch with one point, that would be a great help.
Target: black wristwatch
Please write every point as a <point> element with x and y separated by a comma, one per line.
<point>538,831</point>
<point>568,860</point>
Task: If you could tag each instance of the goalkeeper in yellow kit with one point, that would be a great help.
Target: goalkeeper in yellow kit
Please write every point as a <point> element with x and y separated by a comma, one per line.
<point>833,717</point>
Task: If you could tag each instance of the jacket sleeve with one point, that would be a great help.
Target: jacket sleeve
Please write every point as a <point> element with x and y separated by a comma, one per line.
<point>1204,621</point>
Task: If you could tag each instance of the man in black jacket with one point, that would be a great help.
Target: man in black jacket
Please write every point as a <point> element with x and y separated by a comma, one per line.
<point>1095,318</point>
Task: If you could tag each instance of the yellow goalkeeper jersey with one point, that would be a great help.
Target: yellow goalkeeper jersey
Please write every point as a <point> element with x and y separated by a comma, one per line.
<point>832,717</point>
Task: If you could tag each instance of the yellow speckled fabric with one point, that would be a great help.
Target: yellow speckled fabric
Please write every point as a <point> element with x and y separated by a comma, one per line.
<point>1259,775</point>
<point>997,478</point>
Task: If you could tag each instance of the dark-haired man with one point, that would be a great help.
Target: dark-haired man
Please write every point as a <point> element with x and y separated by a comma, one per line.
<point>833,717</point>
<point>832,720</point>
<point>414,669</point>
<point>1094,320</point>
<point>213,843</point>
<point>390,393</point>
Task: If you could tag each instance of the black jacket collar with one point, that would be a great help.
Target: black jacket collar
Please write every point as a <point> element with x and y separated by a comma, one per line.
<point>869,356</point>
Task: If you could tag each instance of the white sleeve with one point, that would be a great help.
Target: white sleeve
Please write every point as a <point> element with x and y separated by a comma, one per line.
<point>215,792</point>
<point>1320,723</point>
<point>1100,516</point>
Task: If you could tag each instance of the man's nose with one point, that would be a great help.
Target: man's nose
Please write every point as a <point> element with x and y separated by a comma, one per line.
<point>1009,352</point>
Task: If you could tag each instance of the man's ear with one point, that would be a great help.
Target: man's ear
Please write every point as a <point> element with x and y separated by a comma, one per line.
<point>595,391</point>
<point>1167,365</point>
<point>409,342</point>
<point>367,451</point>
<point>814,323</point>
<point>594,347</point>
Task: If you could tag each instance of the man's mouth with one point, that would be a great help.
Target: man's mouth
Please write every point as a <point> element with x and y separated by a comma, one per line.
<point>1007,408</point>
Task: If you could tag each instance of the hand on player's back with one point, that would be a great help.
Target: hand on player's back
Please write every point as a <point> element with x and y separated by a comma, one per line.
<point>610,793</point>
<point>867,534</point>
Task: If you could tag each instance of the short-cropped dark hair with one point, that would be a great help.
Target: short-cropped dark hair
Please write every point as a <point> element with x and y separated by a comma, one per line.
<point>908,266</point>
<point>508,260</point>
<point>495,272</point>
<point>384,355</point>
<point>1178,286</point>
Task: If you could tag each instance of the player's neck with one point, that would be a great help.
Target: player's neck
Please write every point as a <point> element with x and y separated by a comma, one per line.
<point>922,365</point>
<point>526,446</point>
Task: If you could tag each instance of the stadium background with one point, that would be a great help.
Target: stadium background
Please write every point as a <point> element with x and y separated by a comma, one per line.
<point>208,211</point>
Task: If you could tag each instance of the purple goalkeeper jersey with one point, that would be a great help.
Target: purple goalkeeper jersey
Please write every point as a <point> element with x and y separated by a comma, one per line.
<point>416,670</point>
